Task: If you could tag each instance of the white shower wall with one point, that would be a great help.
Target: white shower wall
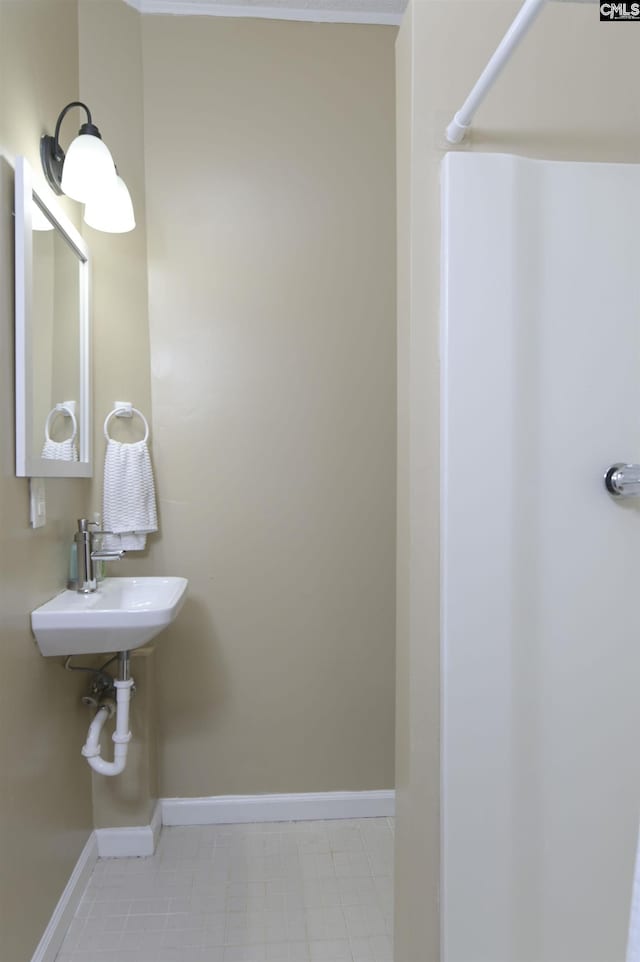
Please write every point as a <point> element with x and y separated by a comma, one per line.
<point>540,567</point>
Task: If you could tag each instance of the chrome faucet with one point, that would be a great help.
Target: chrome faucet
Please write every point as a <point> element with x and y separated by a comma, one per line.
<point>86,577</point>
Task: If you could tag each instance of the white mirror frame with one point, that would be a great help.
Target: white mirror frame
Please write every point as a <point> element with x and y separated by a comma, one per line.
<point>27,464</point>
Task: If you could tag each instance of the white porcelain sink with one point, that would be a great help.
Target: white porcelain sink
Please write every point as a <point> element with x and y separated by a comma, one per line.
<point>124,613</point>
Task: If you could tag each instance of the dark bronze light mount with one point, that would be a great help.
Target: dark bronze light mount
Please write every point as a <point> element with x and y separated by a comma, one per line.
<point>87,173</point>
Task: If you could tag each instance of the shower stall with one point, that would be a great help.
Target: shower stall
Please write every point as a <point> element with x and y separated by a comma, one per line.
<point>540,562</point>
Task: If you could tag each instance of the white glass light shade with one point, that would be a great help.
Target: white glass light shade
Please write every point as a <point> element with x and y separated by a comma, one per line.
<point>88,168</point>
<point>111,210</point>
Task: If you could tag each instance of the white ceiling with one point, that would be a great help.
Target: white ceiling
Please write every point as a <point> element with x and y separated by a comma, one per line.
<point>340,11</point>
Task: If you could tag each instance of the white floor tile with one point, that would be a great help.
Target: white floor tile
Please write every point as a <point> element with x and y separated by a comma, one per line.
<point>378,949</point>
<point>288,952</point>
<point>334,951</point>
<point>281,892</point>
<point>364,921</point>
<point>352,865</point>
<point>326,923</point>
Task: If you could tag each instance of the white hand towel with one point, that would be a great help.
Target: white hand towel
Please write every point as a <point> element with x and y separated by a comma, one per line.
<point>129,497</point>
<point>60,450</point>
<point>633,944</point>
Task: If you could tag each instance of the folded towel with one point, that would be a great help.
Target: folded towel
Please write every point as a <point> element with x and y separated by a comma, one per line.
<point>60,450</point>
<point>633,944</point>
<point>129,497</point>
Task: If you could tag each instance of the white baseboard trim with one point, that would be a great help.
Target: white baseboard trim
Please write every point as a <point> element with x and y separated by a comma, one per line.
<point>132,842</point>
<point>49,944</point>
<point>225,809</point>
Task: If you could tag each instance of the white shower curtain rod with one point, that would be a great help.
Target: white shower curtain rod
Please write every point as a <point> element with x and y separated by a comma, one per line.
<point>462,120</point>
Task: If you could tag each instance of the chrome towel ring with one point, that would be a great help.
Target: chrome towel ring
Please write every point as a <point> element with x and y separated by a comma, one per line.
<point>125,411</point>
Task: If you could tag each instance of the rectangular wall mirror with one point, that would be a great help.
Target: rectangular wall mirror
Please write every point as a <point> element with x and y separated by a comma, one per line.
<point>53,362</point>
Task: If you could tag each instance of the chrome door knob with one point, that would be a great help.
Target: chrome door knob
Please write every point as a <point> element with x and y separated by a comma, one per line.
<point>623,480</point>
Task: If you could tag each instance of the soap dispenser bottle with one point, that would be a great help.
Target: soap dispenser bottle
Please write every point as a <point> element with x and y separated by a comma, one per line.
<point>72,581</point>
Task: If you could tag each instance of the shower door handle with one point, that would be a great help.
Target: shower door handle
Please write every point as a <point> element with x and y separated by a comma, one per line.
<point>623,480</point>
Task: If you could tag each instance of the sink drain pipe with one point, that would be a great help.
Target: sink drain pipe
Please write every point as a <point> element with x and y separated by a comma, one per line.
<point>122,736</point>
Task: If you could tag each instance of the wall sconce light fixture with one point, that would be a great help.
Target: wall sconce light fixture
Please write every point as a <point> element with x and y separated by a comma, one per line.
<point>88,174</point>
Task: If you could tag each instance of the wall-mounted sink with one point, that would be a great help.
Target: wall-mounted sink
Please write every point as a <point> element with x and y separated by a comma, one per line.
<point>124,613</point>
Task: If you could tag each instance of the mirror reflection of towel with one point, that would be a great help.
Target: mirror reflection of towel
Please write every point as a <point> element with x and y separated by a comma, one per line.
<point>60,450</point>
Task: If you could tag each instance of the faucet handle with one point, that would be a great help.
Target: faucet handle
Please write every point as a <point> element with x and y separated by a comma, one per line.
<point>84,524</point>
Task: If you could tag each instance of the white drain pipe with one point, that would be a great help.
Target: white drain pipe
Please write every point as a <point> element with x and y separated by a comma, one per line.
<point>92,744</point>
<point>121,737</point>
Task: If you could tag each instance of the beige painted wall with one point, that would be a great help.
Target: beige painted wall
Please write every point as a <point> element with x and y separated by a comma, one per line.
<point>45,788</point>
<point>417,693</point>
<point>113,89</point>
<point>270,197</point>
<point>569,93</point>
<point>45,802</point>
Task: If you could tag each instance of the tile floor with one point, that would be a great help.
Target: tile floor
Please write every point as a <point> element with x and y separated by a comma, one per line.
<point>276,892</point>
